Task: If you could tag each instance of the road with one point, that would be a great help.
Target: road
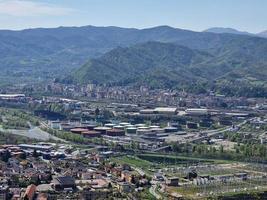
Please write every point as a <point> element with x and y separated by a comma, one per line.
<point>140,171</point>
<point>213,133</point>
<point>153,190</point>
<point>208,134</point>
<point>153,187</point>
<point>34,133</point>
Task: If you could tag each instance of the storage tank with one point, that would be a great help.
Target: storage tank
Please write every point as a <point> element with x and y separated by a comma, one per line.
<point>110,125</point>
<point>131,130</point>
<point>119,127</point>
<point>115,132</point>
<point>129,126</point>
<point>91,134</point>
<point>78,130</point>
<point>153,126</point>
<point>124,124</point>
<point>143,131</point>
<point>170,129</point>
<point>157,130</point>
<point>91,126</point>
<point>139,125</point>
<point>143,128</point>
<point>102,129</point>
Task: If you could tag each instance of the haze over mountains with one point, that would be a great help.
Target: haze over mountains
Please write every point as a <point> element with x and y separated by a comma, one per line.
<point>234,31</point>
<point>263,34</point>
<point>176,59</point>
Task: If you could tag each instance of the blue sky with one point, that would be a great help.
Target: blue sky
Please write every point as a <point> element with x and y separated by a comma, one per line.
<point>245,15</point>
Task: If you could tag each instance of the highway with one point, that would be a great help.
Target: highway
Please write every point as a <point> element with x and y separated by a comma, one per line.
<point>33,133</point>
<point>213,133</point>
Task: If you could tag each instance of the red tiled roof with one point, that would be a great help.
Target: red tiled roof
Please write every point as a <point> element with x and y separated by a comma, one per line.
<point>30,191</point>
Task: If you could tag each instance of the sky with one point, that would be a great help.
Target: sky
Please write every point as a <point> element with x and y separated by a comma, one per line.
<point>198,15</point>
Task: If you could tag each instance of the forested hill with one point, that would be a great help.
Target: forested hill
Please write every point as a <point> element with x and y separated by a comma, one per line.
<point>51,52</point>
<point>232,70</point>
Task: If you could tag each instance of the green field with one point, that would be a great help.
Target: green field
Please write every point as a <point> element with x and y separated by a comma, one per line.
<point>11,118</point>
<point>135,162</point>
<point>150,163</point>
<point>178,160</point>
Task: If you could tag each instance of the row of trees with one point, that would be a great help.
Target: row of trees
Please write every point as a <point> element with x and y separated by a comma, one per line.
<point>247,152</point>
<point>68,136</point>
<point>15,118</point>
<point>7,138</point>
<point>15,124</point>
<point>240,137</point>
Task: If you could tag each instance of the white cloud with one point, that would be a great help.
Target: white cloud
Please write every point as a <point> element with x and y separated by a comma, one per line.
<point>20,8</point>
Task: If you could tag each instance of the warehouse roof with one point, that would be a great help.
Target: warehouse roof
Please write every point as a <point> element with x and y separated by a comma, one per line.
<point>65,180</point>
<point>165,109</point>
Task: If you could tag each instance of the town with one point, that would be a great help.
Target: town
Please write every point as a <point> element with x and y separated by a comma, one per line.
<point>63,141</point>
<point>133,100</point>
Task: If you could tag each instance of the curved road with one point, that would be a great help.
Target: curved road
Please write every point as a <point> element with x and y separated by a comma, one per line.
<point>153,190</point>
<point>34,133</point>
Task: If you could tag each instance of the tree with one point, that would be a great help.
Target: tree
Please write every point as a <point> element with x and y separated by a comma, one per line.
<point>221,149</point>
<point>23,156</point>
<point>5,156</point>
<point>97,112</point>
<point>107,114</point>
<point>34,154</point>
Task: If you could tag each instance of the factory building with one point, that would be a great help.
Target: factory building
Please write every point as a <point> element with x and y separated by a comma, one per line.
<point>196,111</point>
<point>191,125</point>
<point>35,147</point>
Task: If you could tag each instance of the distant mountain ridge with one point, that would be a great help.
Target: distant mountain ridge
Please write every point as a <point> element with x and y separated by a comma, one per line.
<point>227,30</point>
<point>221,30</point>
<point>52,52</point>
<point>263,34</point>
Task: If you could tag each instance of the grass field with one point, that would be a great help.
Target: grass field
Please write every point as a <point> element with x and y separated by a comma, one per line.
<point>135,162</point>
<point>178,160</point>
<point>146,195</point>
<point>150,163</point>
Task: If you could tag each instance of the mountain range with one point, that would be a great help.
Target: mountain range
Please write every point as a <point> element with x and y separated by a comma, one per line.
<point>113,55</point>
<point>263,34</point>
<point>46,52</point>
<point>234,31</point>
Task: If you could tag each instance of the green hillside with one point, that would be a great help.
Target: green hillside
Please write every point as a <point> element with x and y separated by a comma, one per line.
<point>233,70</point>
